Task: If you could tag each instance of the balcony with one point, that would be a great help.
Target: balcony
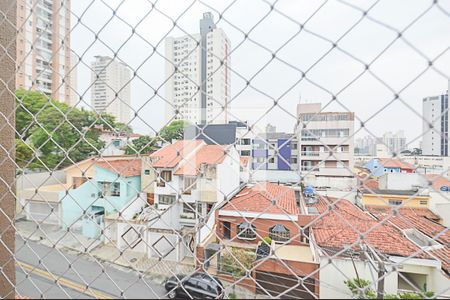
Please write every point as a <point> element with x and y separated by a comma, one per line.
<point>324,171</point>
<point>325,155</point>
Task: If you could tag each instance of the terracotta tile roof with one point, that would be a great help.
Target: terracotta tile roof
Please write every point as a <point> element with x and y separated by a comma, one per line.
<point>258,198</point>
<point>425,221</point>
<point>244,160</point>
<point>170,155</point>
<point>437,181</point>
<point>124,167</point>
<point>208,154</point>
<point>345,222</point>
<point>395,163</point>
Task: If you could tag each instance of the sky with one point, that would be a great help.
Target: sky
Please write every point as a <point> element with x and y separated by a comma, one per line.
<point>306,66</point>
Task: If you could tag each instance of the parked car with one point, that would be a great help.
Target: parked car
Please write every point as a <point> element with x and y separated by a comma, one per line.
<point>196,286</point>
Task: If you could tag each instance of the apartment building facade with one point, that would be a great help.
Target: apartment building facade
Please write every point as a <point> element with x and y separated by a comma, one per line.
<point>43,48</point>
<point>435,125</point>
<point>326,141</point>
<point>197,70</point>
<point>110,91</point>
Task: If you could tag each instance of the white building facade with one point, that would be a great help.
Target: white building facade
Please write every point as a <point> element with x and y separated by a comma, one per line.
<point>197,70</point>
<point>43,48</point>
<point>110,91</point>
<point>325,142</point>
<point>435,125</point>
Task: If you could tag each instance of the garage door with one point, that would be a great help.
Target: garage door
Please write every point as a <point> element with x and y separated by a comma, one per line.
<point>276,283</point>
<point>42,212</point>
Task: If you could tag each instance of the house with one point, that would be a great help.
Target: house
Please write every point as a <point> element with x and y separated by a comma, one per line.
<point>351,242</point>
<point>115,142</point>
<point>395,189</point>
<point>93,188</point>
<point>380,166</point>
<point>183,183</point>
<point>259,211</point>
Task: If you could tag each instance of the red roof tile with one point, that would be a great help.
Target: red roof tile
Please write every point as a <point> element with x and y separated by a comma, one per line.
<point>124,167</point>
<point>395,163</point>
<point>422,219</point>
<point>437,181</point>
<point>244,160</point>
<point>265,197</point>
<point>170,155</point>
<point>208,154</point>
<point>345,222</point>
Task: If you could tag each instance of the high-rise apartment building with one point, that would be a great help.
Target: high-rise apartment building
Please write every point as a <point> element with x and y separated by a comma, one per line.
<point>326,141</point>
<point>43,47</point>
<point>197,69</point>
<point>110,91</point>
<point>435,125</point>
<point>394,141</point>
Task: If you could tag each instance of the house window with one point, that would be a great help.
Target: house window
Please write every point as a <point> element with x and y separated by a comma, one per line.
<point>246,231</point>
<point>395,202</point>
<point>189,208</point>
<point>423,202</point>
<point>166,199</point>
<point>279,233</point>
<point>147,172</point>
<point>245,153</point>
<point>109,188</point>
<point>190,183</point>
<point>165,176</point>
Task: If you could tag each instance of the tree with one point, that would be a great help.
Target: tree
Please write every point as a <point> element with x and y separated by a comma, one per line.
<point>173,131</point>
<point>141,145</point>
<point>356,284</point>
<point>50,134</point>
<point>416,151</point>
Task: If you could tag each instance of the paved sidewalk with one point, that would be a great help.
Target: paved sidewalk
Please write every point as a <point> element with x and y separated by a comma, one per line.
<point>52,235</point>
<point>140,262</point>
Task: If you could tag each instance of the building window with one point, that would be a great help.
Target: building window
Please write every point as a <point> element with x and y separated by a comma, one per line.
<point>279,233</point>
<point>109,188</point>
<point>245,141</point>
<point>395,202</point>
<point>246,231</point>
<point>165,176</point>
<point>147,172</point>
<point>294,146</point>
<point>272,160</point>
<point>293,160</point>
<point>423,202</point>
<point>190,183</point>
<point>245,153</point>
<point>166,199</point>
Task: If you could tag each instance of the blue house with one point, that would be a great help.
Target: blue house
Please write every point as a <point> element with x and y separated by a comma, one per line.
<point>381,166</point>
<point>105,188</point>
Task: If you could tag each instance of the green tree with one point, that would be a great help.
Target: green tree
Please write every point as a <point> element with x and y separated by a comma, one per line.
<point>141,145</point>
<point>356,284</point>
<point>50,134</point>
<point>173,131</point>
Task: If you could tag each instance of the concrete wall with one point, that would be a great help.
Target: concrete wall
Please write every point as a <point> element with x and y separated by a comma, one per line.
<point>402,181</point>
<point>35,180</point>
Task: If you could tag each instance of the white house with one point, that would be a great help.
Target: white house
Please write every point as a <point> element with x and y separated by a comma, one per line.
<point>182,184</point>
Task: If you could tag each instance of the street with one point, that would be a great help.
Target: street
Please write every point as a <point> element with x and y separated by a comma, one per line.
<point>77,276</point>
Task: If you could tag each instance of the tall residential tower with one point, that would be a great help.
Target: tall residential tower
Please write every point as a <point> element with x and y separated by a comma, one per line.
<point>435,113</point>
<point>197,69</point>
<point>43,47</point>
<point>110,91</point>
